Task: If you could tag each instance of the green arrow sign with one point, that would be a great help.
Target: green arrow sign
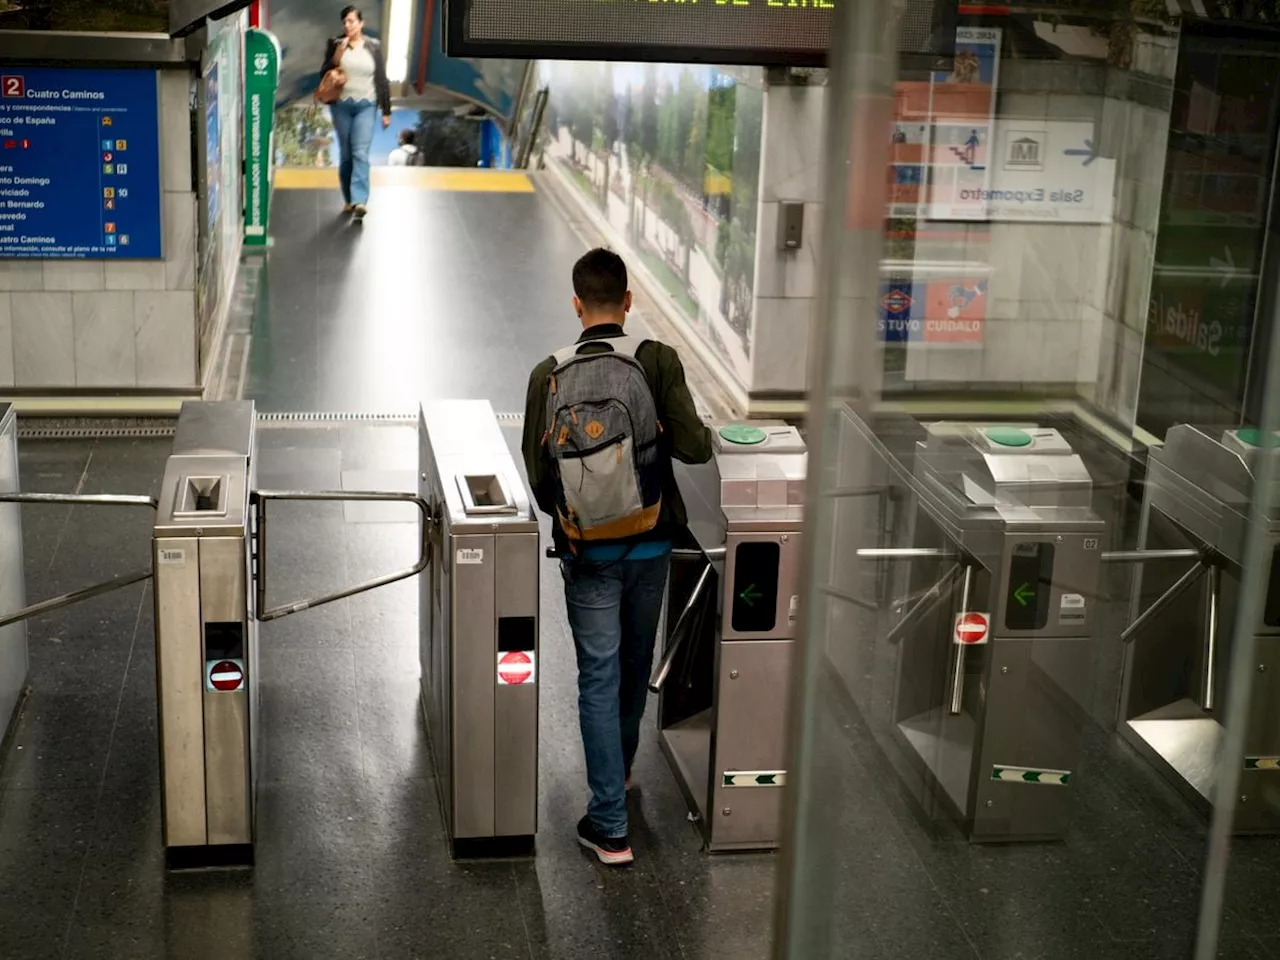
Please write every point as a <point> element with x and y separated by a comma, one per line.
<point>750,595</point>
<point>1024,594</point>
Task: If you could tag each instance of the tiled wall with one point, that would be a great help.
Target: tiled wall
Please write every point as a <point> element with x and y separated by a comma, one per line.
<point>120,324</point>
<point>786,281</point>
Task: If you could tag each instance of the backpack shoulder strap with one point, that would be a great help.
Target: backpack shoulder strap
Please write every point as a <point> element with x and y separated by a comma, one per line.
<point>627,346</point>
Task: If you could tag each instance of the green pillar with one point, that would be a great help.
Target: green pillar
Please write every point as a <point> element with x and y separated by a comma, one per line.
<point>261,78</point>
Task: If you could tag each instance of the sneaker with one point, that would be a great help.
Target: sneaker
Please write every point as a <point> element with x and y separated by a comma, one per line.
<point>360,211</point>
<point>612,851</point>
<point>348,209</point>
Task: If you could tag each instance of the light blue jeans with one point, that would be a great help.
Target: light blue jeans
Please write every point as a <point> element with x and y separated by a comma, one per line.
<point>353,121</point>
<point>614,609</point>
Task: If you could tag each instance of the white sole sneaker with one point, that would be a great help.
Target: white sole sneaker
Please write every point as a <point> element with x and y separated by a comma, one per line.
<point>610,858</point>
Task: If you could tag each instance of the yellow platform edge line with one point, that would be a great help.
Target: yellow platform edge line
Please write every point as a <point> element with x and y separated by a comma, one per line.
<point>418,178</point>
<point>98,406</point>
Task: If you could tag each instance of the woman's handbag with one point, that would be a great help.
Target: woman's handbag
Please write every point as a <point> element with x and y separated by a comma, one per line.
<point>331,86</point>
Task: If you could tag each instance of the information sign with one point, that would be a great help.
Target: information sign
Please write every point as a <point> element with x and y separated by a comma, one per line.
<point>79,164</point>
<point>261,79</point>
<point>769,32</point>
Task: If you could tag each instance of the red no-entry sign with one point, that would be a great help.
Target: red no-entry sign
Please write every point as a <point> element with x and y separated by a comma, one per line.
<point>972,628</point>
<point>515,667</point>
<point>225,676</point>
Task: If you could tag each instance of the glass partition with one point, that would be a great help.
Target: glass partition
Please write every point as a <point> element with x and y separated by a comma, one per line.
<point>1038,712</point>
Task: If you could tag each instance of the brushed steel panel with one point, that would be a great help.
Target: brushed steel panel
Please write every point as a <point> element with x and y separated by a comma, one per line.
<point>474,680</point>
<point>179,690</point>
<point>750,734</point>
<point>13,638</point>
<point>226,715</point>
<point>515,713</point>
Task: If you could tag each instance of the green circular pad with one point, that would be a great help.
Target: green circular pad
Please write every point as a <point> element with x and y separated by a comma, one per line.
<point>743,434</point>
<point>1009,437</point>
<point>1251,436</point>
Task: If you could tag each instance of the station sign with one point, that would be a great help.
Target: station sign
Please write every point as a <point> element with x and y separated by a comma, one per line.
<point>1039,170</point>
<point>932,309</point>
<point>79,164</point>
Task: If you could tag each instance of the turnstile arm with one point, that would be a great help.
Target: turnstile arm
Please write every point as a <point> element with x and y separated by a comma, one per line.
<point>1184,583</point>
<point>98,589</point>
<point>926,602</point>
<point>679,634</point>
<point>905,553</point>
<point>260,498</point>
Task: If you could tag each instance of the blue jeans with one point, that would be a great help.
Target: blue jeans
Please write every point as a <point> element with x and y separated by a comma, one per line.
<point>614,610</point>
<point>353,121</point>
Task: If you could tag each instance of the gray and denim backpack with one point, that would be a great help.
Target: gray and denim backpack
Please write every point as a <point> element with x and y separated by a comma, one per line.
<point>602,436</point>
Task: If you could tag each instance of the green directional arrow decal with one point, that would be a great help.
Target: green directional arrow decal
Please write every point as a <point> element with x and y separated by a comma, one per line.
<point>754,778</point>
<point>1024,594</point>
<point>750,595</point>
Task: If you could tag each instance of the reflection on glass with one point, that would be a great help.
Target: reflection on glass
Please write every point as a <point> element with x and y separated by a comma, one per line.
<point>1039,715</point>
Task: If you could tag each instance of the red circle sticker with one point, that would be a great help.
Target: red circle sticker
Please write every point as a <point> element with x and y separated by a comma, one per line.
<point>972,628</point>
<point>515,667</point>
<point>226,676</point>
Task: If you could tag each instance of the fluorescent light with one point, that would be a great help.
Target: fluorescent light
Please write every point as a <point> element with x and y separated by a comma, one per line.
<point>399,33</point>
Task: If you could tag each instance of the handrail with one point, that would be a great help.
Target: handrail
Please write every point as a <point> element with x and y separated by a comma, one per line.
<point>259,499</point>
<point>669,657</point>
<point>98,589</point>
<point>962,650</point>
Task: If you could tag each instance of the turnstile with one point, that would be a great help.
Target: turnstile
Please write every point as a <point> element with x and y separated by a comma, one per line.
<point>724,676</point>
<point>206,637</point>
<point>995,650</point>
<point>210,569</point>
<point>1195,511</point>
<point>479,629</point>
<point>13,638</point>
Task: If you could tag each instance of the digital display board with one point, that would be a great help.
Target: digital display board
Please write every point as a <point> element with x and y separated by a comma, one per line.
<point>79,164</point>
<point>765,32</point>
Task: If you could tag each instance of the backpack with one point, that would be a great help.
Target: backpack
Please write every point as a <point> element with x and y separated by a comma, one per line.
<point>602,437</point>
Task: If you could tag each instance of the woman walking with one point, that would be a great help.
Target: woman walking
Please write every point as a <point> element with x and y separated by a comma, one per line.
<point>365,93</point>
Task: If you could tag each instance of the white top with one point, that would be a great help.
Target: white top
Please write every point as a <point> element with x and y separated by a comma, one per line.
<point>401,155</point>
<point>358,65</point>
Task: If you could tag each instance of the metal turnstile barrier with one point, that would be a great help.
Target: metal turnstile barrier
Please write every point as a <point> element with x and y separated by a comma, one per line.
<point>207,637</point>
<point>724,675</point>
<point>13,591</point>
<point>210,556</point>
<point>995,646</point>
<point>479,629</point>
<point>1192,536</point>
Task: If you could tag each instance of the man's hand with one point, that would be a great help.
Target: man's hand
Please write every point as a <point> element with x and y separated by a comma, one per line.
<point>386,120</point>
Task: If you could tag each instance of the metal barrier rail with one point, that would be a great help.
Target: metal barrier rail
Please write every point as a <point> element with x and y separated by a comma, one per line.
<point>259,499</point>
<point>98,589</point>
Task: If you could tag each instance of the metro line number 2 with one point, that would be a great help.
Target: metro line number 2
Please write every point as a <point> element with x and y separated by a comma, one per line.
<point>13,87</point>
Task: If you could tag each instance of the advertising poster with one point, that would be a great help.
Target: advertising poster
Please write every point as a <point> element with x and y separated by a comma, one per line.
<point>213,148</point>
<point>962,107</point>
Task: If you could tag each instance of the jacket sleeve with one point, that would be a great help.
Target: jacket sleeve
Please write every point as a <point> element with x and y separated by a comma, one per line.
<point>535,460</point>
<point>689,437</point>
<point>381,84</point>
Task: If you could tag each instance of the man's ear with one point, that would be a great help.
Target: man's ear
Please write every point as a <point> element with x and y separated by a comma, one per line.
<point>577,307</point>
<point>626,303</point>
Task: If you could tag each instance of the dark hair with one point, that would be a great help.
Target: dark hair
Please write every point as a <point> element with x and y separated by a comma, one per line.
<point>348,10</point>
<point>600,280</point>
<point>406,136</point>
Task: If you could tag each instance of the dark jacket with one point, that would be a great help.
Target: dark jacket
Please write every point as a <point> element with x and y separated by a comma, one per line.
<point>380,82</point>
<point>684,435</point>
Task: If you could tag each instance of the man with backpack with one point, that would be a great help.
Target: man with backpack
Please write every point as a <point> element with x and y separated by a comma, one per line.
<point>603,420</point>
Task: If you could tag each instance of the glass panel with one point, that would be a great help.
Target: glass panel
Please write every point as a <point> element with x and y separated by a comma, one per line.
<point>1038,713</point>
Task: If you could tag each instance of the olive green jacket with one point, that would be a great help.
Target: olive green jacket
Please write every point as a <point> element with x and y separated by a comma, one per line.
<point>685,437</point>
